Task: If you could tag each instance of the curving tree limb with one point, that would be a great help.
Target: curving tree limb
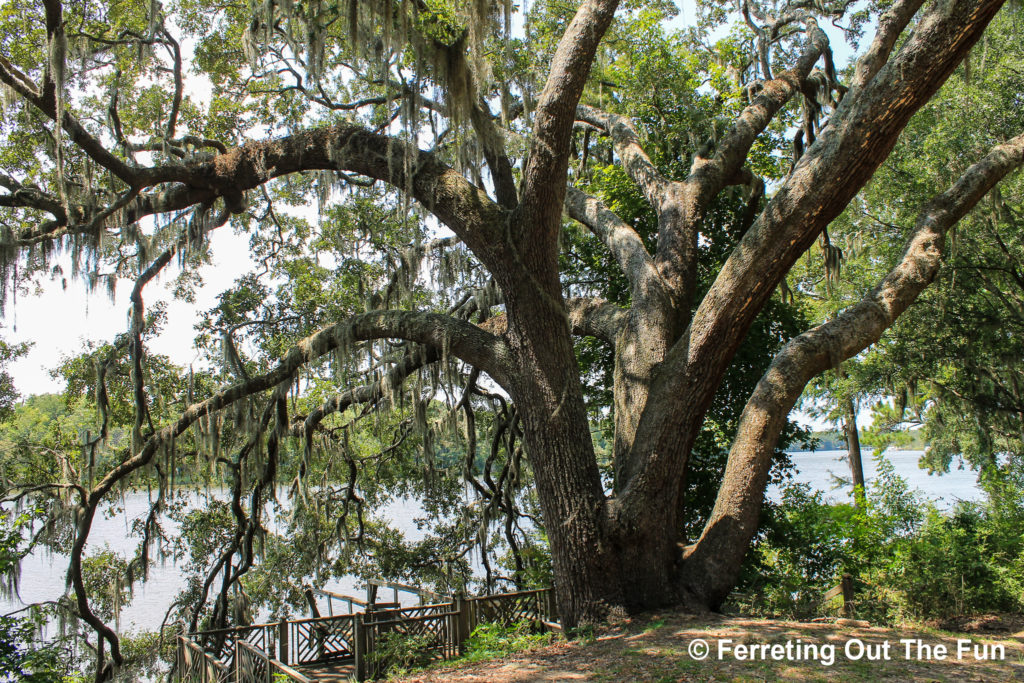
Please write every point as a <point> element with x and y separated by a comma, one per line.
<point>712,563</point>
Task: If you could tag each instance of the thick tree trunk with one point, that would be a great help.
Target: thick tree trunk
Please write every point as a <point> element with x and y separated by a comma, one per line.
<point>547,389</point>
<point>639,349</point>
<point>586,578</point>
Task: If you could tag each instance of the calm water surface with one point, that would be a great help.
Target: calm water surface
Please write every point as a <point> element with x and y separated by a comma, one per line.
<point>820,469</point>
<point>43,575</point>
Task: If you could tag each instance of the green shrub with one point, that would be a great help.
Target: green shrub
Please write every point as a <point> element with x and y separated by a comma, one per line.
<point>489,641</point>
<point>398,653</point>
<point>967,561</point>
<point>910,561</point>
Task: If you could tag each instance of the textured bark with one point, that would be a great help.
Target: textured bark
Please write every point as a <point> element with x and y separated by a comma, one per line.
<point>547,386</point>
<point>856,140</point>
<point>670,351</point>
<point>712,563</point>
<point>662,286</point>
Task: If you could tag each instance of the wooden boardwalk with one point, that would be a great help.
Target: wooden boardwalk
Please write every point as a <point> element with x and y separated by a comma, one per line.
<point>343,647</point>
<point>329,673</point>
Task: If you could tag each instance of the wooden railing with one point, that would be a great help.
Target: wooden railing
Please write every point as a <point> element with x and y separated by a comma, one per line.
<point>373,585</point>
<point>193,665</point>
<point>223,643</point>
<point>441,630</point>
<point>318,640</point>
<point>438,631</point>
<point>301,641</point>
<point>434,631</point>
<point>253,665</point>
<point>331,596</point>
<point>511,608</point>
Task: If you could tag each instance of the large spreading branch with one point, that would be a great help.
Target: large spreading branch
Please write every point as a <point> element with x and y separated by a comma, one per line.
<point>415,359</point>
<point>825,179</point>
<point>713,562</point>
<point>722,168</point>
<point>459,338</point>
<point>588,317</point>
<point>493,143</point>
<point>462,206</point>
<point>543,187</point>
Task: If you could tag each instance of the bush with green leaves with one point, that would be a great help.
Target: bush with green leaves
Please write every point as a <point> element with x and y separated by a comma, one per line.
<point>397,652</point>
<point>492,640</point>
<point>911,562</point>
<point>967,561</point>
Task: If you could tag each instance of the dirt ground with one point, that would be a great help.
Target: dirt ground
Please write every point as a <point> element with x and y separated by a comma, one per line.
<point>662,648</point>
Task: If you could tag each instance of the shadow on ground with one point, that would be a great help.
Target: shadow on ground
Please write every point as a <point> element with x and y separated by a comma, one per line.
<point>657,648</point>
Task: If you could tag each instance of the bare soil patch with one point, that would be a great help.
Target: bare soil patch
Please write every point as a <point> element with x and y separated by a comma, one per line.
<point>656,648</point>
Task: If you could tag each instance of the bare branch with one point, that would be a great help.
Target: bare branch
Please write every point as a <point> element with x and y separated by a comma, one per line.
<point>627,145</point>
<point>715,173</point>
<point>890,26</point>
<point>622,241</point>
<point>175,51</point>
<point>493,143</point>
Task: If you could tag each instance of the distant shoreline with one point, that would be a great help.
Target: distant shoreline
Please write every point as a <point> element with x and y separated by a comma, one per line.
<point>864,450</point>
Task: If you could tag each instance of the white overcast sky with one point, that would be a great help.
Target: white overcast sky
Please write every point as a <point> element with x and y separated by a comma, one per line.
<point>59,321</point>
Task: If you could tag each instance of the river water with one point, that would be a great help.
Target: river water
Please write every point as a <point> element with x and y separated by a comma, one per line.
<point>820,469</point>
<point>43,575</point>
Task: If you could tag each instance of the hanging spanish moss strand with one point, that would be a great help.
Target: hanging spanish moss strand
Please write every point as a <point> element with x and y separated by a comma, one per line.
<point>57,55</point>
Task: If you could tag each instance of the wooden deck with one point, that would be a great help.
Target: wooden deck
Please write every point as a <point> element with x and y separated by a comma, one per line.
<point>344,647</point>
<point>331,673</point>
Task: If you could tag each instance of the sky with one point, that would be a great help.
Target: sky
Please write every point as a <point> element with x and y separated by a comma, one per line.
<point>59,322</point>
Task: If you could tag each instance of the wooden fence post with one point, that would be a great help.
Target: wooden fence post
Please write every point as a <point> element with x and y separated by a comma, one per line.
<point>282,642</point>
<point>359,636</point>
<point>847,585</point>
<point>461,608</point>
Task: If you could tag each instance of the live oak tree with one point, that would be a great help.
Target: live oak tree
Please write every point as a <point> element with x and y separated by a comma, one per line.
<point>476,127</point>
